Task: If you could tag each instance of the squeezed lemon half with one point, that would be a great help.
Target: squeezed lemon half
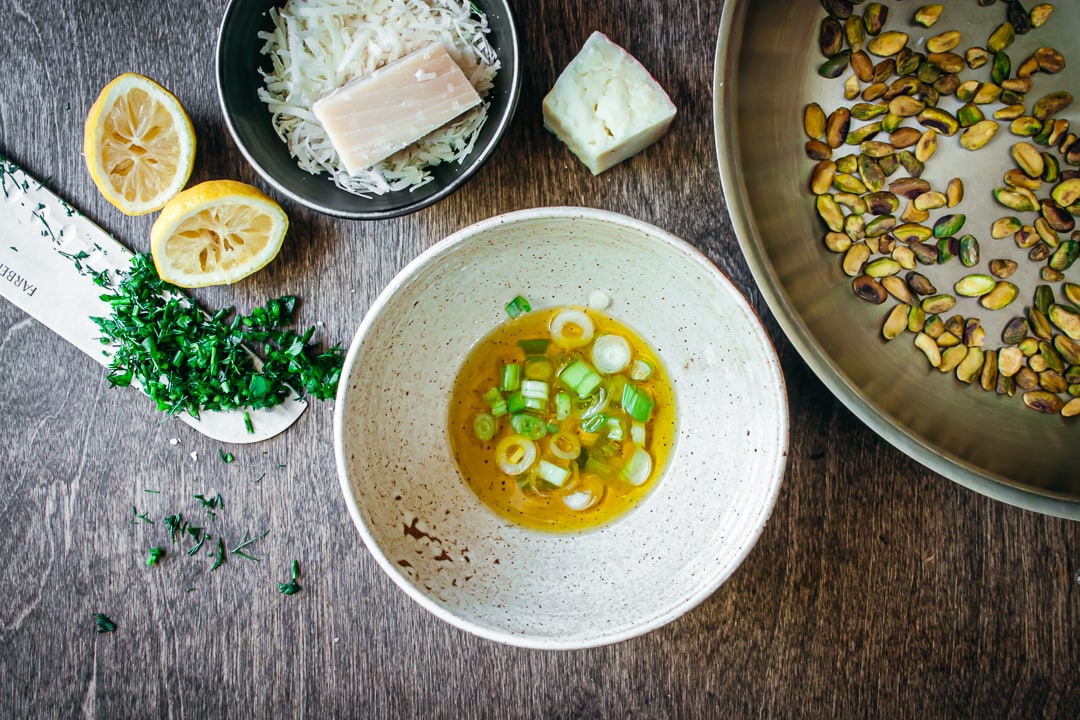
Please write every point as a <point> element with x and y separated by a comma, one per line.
<point>216,233</point>
<point>139,144</point>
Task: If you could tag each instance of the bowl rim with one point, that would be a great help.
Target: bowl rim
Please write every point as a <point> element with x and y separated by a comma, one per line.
<point>474,161</point>
<point>736,197</point>
<point>656,620</point>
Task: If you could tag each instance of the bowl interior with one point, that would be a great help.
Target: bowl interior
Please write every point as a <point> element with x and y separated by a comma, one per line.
<point>765,76</point>
<point>474,569</point>
<point>238,62</point>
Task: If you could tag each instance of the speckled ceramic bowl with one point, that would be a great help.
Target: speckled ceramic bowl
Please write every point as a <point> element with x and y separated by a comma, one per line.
<point>465,564</point>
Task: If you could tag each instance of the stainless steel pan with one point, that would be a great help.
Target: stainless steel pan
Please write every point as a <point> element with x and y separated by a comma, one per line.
<point>765,60</point>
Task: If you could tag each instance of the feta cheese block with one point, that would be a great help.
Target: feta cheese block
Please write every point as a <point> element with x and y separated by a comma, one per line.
<point>606,106</point>
<point>372,117</point>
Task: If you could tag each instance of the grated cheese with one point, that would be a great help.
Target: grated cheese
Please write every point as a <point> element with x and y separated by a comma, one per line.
<point>319,45</point>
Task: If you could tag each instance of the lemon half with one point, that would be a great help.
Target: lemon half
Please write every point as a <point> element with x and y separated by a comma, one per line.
<point>139,144</point>
<point>216,233</point>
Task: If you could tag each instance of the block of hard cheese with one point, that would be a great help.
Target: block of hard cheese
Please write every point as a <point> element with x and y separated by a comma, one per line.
<point>372,117</point>
<point>606,106</point>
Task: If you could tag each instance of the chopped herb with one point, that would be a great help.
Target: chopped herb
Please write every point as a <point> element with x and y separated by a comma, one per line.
<point>219,558</point>
<point>226,457</point>
<point>194,549</point>
<point>140,516</point>
<point>293,586</point>
<point>104,624</point>
<point>156,554</point>
<point>244,542</point>
<point>155,492</point>
<point>259,479</point>
<point>14,249</point>
<point>518,306</point>
<point>185,359</point>
<point>212,504</point>
<point>247,423</point>
<point>176,524</point>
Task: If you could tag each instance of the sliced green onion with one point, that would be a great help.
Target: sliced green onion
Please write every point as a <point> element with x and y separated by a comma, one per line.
<point>531,427</point>
<point>517,306</point>
<point>594,423</point>
<point>637,433</point>
<point>534,389</point>
<point>581,500</point>
<point>515,454</point>
<point>510,379</point>
<point>496,402</point>
<point>640,370</point>
<point>580,377</point>
<point>536,405</point>
<point>611,354</point>
<point>638,467</point>
<point>599,468</point>
<point>605,448</point>
<point>539,368</point>
<point>636,402</point>
<point>615,429</point>
<point>564,446</point>
<point>571,329</point>
<point>562,406</point>
<point>537,346</point>
<point>515,402</point>
<point>484,426</point>
<point>552,473</point>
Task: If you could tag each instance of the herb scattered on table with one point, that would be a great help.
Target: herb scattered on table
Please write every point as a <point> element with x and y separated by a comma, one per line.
<point>181,531</point>
<point>104,624</point>
<point>244,542</point>
<point>226,457</point>
<point>212,505</point>
<point>140,516</point>
<point>219,558</point>
<point>187,360</point>
<point>293,586</point>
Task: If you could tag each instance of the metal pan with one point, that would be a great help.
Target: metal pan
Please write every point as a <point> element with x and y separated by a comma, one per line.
<point>767,52</point>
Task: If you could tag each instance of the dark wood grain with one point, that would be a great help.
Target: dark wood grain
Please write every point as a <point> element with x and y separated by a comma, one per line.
<point>878,589</point>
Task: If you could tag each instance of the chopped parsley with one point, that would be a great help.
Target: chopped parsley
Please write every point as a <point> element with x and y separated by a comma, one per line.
<point>104,624</point>
<point>212,505</point>
<point>293,586</point>
<point>155,554</point>
<point>226,457</point>
<point>188,360</point>
<point>176,524</point>
<point>140,516</point>
<point>219,558</point>
<point>244,542</point>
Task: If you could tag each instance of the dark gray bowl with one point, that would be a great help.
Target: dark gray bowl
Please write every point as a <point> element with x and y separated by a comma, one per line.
<point>238,80</point>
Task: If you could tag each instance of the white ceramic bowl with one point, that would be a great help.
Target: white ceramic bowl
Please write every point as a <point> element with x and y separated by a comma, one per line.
<point>468,566</point>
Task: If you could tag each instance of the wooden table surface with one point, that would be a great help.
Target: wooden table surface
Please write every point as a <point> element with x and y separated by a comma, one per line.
<point>878,588</point>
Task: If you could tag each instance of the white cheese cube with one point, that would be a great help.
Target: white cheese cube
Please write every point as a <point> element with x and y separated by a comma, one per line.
<point>374,116</point>
<point>606,106</point>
